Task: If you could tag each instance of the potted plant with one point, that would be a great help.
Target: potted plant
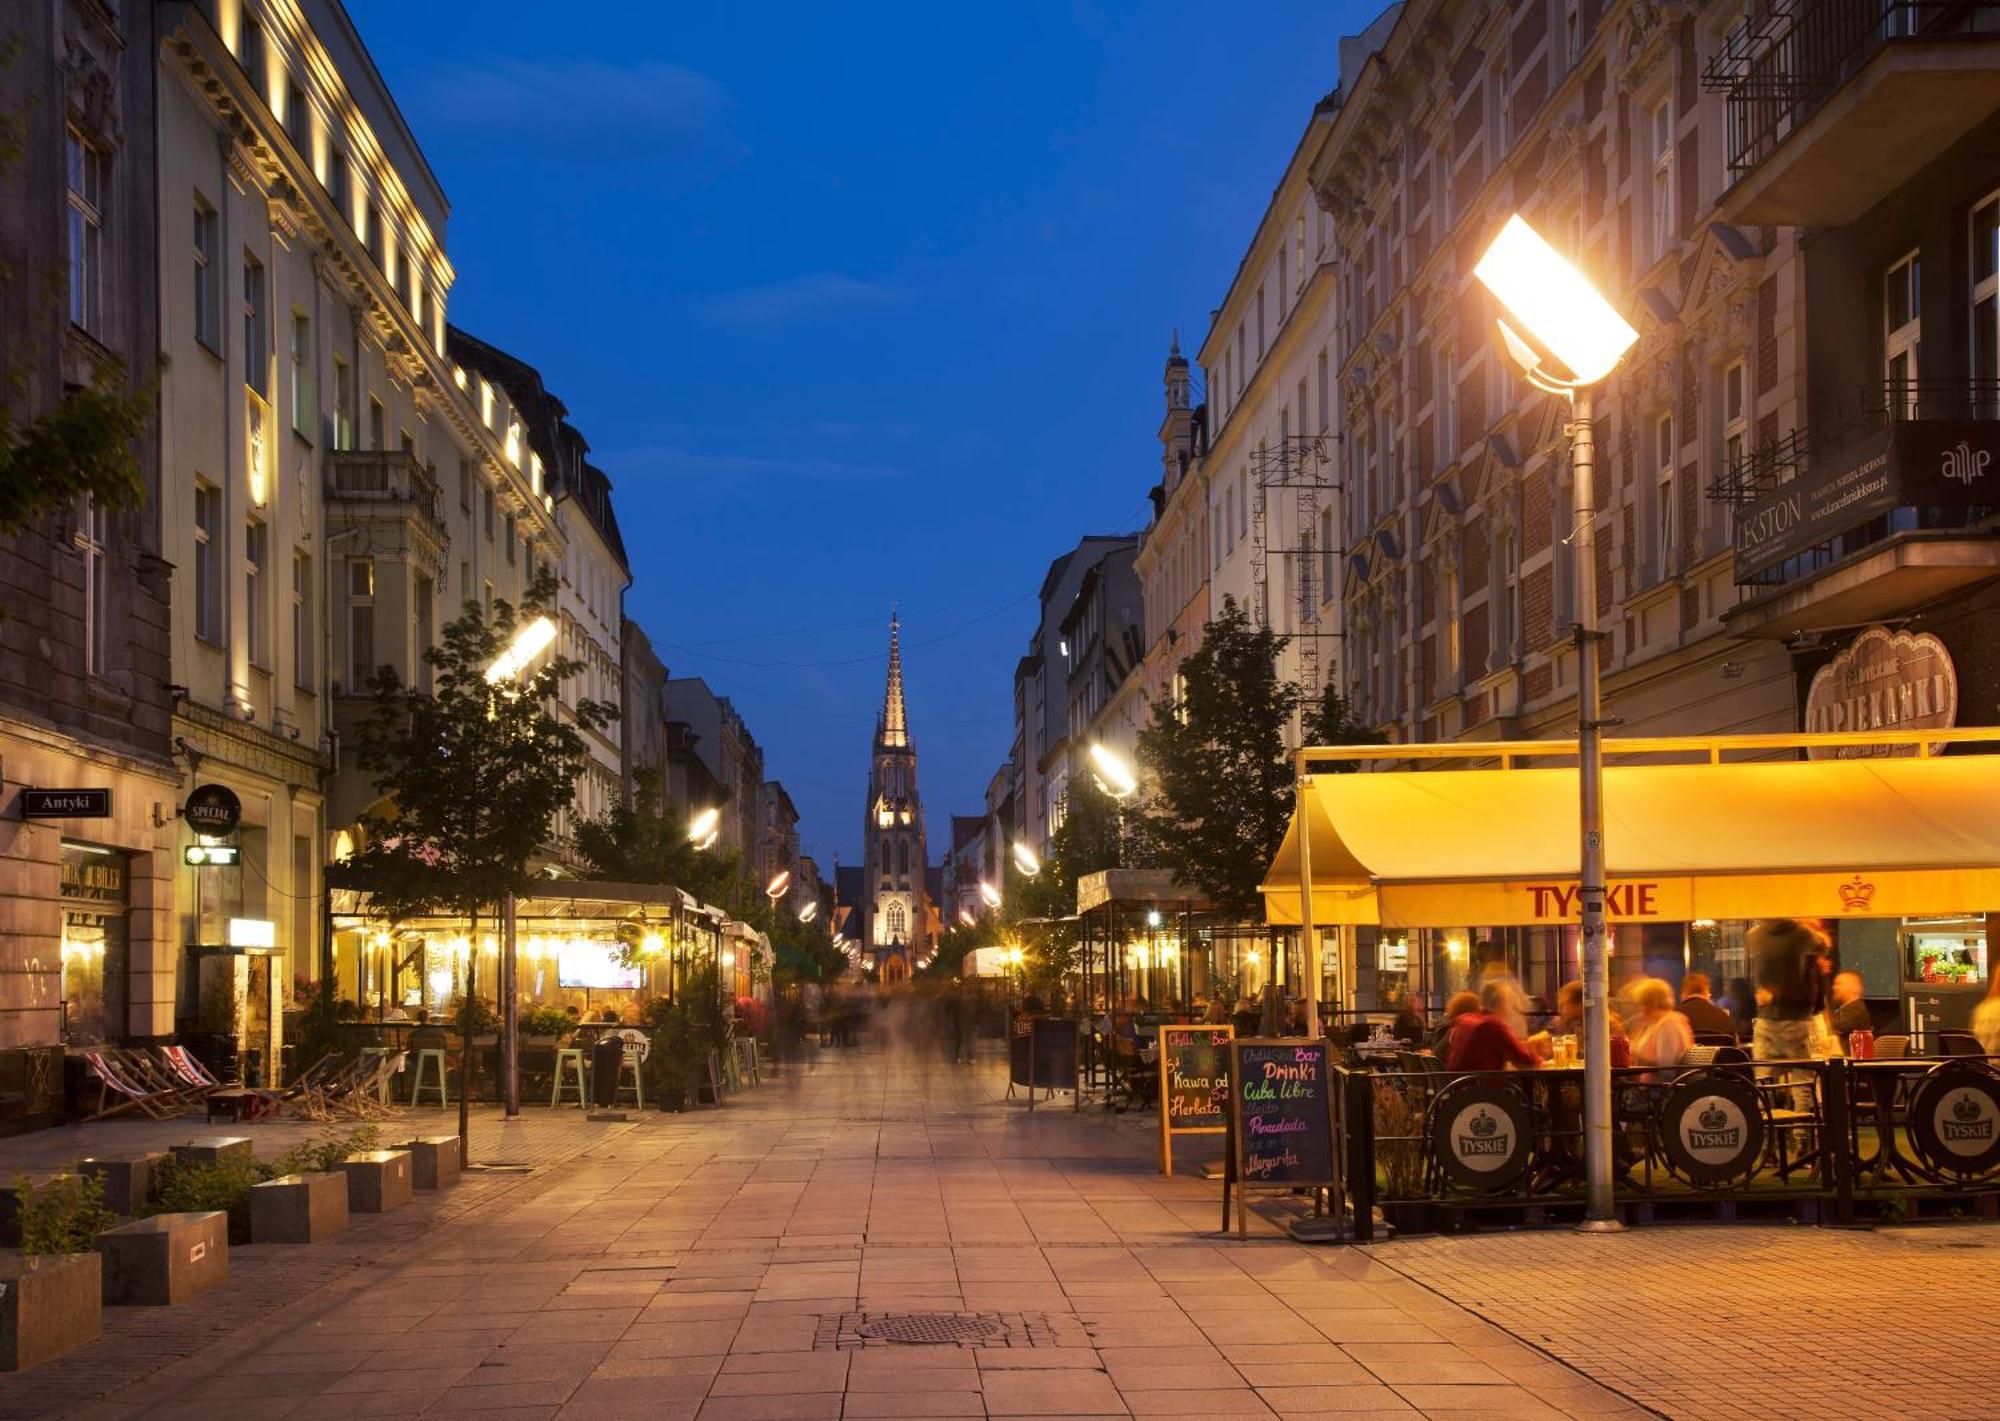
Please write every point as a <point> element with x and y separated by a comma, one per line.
<point>55,1282</point>
<point>677,1063</point>
<point>1399,1152</point>
<point>545,1026</point>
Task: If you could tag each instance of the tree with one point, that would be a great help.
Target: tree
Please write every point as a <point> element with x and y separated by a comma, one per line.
<point>646,841</point>
<point>1332,722</point>
<point>1224,784</point>
<point>1041,911</point>
<point>471,774</point>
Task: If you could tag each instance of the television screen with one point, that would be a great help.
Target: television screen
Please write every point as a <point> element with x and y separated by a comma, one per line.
<point>592,965</point>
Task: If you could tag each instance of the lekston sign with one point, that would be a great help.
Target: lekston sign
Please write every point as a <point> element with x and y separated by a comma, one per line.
<point>1883,680</point>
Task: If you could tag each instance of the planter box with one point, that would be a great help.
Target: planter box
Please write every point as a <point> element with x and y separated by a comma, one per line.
<point>128,1180</point>
<point>378,1181</point>
<point>48,1304</point>
<point>434,1161</point>
<point>298,1208</point>
<point>166,1259</point>
<point>215,1149</point>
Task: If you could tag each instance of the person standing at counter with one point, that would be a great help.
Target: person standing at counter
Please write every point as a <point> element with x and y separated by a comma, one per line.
<point>1788,956</point>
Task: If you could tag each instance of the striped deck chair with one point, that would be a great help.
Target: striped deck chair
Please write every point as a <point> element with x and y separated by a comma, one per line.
<point>160,1105</point>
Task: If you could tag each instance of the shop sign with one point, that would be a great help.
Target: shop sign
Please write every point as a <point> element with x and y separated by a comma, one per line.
<point>1563,902</point>
<point>1714,1130</point>
<point>1883,680</point>
<point>90,877</point>
<point>1955,1119</point>
<point>213,810</point>
<point>65,804</point>
<point>1481,1136</point>
<point>1931,463</point>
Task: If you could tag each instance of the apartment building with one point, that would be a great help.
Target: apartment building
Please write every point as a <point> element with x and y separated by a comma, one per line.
<point>1173,560</point>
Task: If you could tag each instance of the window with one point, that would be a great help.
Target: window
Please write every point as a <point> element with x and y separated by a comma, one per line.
<point>374,423</point>
<point>207,306</point>
<point>1902,335</point>
<point>1666,508</point>
<point>343,404</point>
<point>256,328</point>
<point>337,185</point>
<point>488,518</point>
<point>1572,34</point>
<point>1326,558</point>
<point>208,562</point>
<point>465,485</point>
<point>360,624</point>
<point>1447,403</point>
<point>302,365</point>
<point>510,537</point>
<point>1661,134</point>
<point>1510,581</point>
<point>1735,433</point>
<point>426,600</point>
<point>86,234</point>
<point>256,556</point>
<point>371,233</point>
<point>253,56</point>
<point>297,123</point>
<point>464,580</point>
<point>898,922</point>
<point>92,534</point>
<point>1299,254</point>
<point>302,621</point>
<point>1986,307</point>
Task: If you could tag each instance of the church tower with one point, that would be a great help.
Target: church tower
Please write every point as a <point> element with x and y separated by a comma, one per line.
<point>896,931</point>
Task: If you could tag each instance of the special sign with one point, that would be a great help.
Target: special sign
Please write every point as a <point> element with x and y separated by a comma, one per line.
<point>1194,1085</point>
<point>1883,680</point>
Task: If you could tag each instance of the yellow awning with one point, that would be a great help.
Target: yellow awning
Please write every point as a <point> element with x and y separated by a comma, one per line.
<point>1823,838</point>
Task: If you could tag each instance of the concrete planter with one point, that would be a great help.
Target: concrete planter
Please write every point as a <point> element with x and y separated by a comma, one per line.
<point>434,1161</point>
<point>128,1180</point>
<point>299,1208</point>
<point>215,1149</point>
<point>49,1303</point>
<point>378,1181</point>
<point>166,1259</point>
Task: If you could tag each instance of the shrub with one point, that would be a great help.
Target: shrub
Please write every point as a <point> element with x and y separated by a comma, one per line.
<point>546,1021</point>
<point>677,1063</point>
<point>63,1215</point>
<point>324,1153</point>
<point>475,1018</point>
<point>187,1188</point>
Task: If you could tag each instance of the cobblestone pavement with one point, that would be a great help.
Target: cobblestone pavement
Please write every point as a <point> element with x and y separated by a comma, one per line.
<point>1713,1322</point>
<point>756,1262</point>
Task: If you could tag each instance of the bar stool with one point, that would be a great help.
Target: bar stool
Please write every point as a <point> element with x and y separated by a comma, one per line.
<point>426,1058</point>
<point>382,1091</point>
<point>565,1058</point>
<point>629,1062</point>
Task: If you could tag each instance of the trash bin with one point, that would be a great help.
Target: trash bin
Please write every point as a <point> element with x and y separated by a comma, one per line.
<point>605,1059</point>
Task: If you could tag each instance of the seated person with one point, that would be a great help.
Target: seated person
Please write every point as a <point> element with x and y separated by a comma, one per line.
<point>1698,1006</point>
<point>1850,1010</point>
<point>1409,1024</point>
<point>1480,1040</point>
<point>1659,1035</point>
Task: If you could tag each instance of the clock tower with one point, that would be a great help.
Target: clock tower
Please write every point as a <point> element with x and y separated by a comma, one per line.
<point>895,933</point>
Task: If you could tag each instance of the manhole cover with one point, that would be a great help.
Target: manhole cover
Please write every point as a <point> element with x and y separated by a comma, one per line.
<point>933,1327</point>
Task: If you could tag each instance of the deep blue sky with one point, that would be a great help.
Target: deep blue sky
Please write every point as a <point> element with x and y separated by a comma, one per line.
<point>856,305</point>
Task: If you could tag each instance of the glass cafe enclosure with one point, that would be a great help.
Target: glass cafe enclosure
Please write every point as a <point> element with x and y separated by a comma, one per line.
<point>1434,875</point>
<point>1148,946</point>
<point>609,947</point>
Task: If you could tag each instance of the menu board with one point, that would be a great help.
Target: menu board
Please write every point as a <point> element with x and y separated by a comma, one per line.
<point>1194,1085</point>
<point>1280,1117</point>
<point>1054,1053</point>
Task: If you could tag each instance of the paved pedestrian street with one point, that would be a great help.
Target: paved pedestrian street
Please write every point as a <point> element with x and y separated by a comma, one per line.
<point>754,1262</point>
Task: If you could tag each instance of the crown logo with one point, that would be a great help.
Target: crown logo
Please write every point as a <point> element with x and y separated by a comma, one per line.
<point>1483,1124</point>
<point>1855,895</point>
<point>1966,1109</point>
<point>1712,1118</point>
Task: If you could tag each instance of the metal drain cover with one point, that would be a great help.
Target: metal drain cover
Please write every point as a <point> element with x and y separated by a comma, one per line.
<point>933,1327</point>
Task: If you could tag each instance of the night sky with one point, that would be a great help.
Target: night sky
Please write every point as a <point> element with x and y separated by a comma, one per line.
<point>856,305</point>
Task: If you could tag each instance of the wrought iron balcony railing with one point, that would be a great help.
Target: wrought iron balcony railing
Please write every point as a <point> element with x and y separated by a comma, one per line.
<point>1761,470</point>
<point>384,476</point>
<point>1790,57</point>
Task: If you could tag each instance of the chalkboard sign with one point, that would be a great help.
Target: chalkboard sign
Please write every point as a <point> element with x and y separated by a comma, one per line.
<point>1020,1054</point>
<point>1194,1085</point>
<point>1280,1119</point>
<point>1054,1053</point>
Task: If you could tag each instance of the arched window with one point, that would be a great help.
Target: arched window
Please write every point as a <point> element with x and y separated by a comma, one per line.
<point>903,858</point>
<point>898,923</point>
<point>885,853</point>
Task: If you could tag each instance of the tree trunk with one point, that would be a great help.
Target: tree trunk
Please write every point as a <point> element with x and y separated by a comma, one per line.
<point>465,1051</point>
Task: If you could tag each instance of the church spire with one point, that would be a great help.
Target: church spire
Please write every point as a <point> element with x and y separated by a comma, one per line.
<point>895,727</point>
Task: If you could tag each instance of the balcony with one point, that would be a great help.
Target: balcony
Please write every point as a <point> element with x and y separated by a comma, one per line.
<point>1833,104</point>
<point>1872,513</point>
<point>388,478</point>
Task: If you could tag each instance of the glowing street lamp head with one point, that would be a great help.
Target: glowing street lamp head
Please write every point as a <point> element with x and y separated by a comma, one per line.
<point>1014,956</point>
<point>808,911</point>
<point>965,917</point>
<point>1025,860</point>
<point>1114,771</point>
<point>1555,302</point>
<point>529,642</point>
<point>780,882</point>
<point>989,893</point>
<point>704,827</point>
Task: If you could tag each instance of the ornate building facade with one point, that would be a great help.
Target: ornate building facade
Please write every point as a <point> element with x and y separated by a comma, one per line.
<point>895,890</point>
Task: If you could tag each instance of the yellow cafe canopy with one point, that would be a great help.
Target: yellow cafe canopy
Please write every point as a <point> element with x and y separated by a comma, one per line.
<point>1878,837</point>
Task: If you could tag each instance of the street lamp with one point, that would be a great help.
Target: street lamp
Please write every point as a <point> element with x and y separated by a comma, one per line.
<point>1114,771</point>
<point>705,828</point>
<point>989,893</point>
<point>529,642</point>
<point>1567,316</point>
<point>1025,860</point>
<point>780,882</point>
<point>808,911</point>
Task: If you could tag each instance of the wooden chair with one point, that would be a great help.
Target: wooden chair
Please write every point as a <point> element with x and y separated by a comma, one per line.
<point>111,1081</point>
<point>1892,1048</point>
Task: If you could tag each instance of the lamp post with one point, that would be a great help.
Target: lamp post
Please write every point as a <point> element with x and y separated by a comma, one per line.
<point>1575,324</point>
<point>530,641</point>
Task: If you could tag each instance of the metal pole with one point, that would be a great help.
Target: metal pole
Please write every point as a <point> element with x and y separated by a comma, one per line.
<point>510,1010</point>
<point>1309,938</point>
<point>1592,946</point>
